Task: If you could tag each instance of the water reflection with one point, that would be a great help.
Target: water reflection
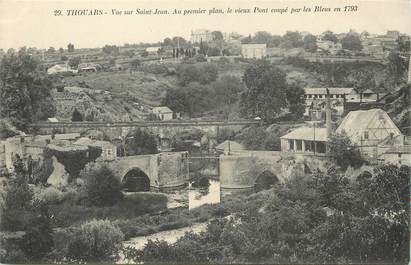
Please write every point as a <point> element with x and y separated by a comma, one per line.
<point>201,196</point>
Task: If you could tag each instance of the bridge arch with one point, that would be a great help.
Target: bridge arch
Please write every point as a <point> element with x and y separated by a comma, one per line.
<point>136,180</point>
<point>265,180</point>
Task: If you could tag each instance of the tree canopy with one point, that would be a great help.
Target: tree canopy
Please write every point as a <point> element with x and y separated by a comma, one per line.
<point>351,42</point>
<point>24,90</point>
<point>265,93</point>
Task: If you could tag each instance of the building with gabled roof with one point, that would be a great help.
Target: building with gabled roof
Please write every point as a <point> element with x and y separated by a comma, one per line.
<point>163,113</point>
<point>368,129</point>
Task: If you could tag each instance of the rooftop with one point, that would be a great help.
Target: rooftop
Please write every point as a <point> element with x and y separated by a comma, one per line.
<point>356,121</point>
<point>234,146</point>
<point>162,109</point>
<point>333,90</point>
<point>307,134</point>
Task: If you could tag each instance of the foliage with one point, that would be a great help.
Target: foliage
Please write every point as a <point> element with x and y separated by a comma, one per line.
<point>135,63</point>
<point>24,90</point>
<point>292,39</point>
<point>253,138</point>
<point>343,152</point>
<point>70,47</point>
<point>141,142</point>
<point>96,241</point>
<point>38,240</point>
<point>310,43</point>
<point>204,74</point>
<point>330,36</point>
<point>73,62</point>
<point>111,50</point>
<point>295,99</point>
<point>396,67</point>
<point>309,219</point>
<point>351,42</point>
<point>191,99</point>
<point>16,214</point>
<point>265,94</point>
<point>227,89</point>
<point>102,186</point>
<point>49,195</point>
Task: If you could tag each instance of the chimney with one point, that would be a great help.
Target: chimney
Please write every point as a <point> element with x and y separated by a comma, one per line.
<point>328,114</point>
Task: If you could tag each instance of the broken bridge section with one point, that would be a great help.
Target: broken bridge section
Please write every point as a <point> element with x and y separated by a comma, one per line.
<point>159,172</point>
<point>261,169</point>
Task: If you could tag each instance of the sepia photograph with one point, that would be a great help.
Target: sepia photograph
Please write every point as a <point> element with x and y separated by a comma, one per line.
<point>205,132</point>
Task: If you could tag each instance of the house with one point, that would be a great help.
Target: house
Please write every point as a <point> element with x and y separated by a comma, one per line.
<point>370,129</point>
<point>88,67</point>
<point>328,46</point>
<point>229,146</point>
<point>201,35</point>
<point>305,140</point>
<point>60,68</point>
<point>315,98</point>
<point>53,119</point>
<point>254,51</point>
<point>153,50</point>
<point>163,113</point>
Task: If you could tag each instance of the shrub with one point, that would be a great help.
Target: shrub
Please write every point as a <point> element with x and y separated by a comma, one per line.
<point>49,195</point>
<point>96,240</point>
<point>102,186</point>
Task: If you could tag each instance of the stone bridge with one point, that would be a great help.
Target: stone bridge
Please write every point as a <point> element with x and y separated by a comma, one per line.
<point>158,172</point>
<point>250,169</point>
<point>163,129</point>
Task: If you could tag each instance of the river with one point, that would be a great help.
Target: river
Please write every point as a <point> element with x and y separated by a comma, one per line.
<point>209,195</point>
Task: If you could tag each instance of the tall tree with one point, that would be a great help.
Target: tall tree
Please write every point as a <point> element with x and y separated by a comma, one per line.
<point>310,43</point>
<point>295,100</point>
<point>292,39</point>
<point>351,42</point>
<point>330,36</point>
<point>217,35</point>
<point>265,94</point>
<point>70,47</point>
<point>140,142</point>
<point>24,90</point>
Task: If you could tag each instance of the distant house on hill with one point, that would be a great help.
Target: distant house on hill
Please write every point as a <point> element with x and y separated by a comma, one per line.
<point>163,113</point>
<point>315,98</point>
<point>370,130</point>
<point>153,50</point>
<point>88,67</point>
<point>60,68</point>
<point>254,51</point>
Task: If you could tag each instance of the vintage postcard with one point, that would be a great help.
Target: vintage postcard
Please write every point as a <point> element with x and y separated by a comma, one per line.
<point>205,132</point>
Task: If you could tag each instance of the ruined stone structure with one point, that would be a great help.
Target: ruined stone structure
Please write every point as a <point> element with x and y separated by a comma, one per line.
<point>163,171</point>
<point>245,169</point>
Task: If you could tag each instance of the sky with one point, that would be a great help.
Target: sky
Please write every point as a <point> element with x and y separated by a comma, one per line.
<point>33,24</point>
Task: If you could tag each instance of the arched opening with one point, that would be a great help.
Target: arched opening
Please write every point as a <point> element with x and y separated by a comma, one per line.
<point>136,180</point>
<point>265,181</point>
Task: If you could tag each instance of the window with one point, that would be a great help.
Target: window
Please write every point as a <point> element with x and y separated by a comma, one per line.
<point>366,135</point>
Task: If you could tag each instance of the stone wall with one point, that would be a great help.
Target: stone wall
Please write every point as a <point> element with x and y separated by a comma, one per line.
<point>173,169</point>
<point>240,170</point>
